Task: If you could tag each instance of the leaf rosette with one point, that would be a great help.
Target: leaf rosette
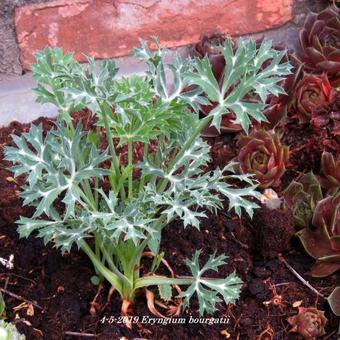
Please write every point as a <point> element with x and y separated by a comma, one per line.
<point>322,239</point>
<point>320,42</point>
<point>313,93</point>
<point>262,154</point>
<point>330,177</point>
<point>302,196</point>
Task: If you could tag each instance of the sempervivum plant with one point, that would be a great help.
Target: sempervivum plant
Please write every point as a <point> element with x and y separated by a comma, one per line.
<point>320,42</point>
<point>313,93</point>
<point>309,323</point>
<point>115,226</point>
<point>262,154</point>
<point>301,197</point>
<point>322,239</point>
<point>330,178</point>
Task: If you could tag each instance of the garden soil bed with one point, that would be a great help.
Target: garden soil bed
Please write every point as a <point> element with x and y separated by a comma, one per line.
<point>61,289</point>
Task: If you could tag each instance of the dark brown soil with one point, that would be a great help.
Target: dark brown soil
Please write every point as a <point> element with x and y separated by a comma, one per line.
<point>61,285</point>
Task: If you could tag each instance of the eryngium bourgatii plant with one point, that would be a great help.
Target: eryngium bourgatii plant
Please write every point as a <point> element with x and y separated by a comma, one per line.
<point>115,227</point>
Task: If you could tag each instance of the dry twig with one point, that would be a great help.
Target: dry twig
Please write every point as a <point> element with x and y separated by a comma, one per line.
<point>18,297</point>
<point>306,283</point>
<point>86,335</point>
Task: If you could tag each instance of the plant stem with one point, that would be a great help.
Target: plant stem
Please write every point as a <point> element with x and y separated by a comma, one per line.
<point>109,275</point>
<point>88,191</point>
<point>201,124</point>
<point>115,269</point>
<point>145,154</point>
<point>130,165</point>
<point>106,110</point>
<point>87,200</point>
<point>97,251</point>
<point>162,280</point>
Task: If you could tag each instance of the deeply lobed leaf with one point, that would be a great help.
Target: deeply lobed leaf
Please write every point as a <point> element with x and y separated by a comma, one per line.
<point>207,289</point>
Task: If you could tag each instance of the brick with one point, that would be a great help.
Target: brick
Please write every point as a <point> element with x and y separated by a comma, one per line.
<point>111,28</point>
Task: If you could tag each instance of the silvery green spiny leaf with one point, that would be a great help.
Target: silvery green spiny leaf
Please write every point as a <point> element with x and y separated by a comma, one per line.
<point>248,71</point>
<point>54,71</point>
<point>189,187</point>
<point>55,165</point>
<point>238,197</point>
<point>196,156</point>
<point>144,53</point>
<point>207,289</point>
<point>71,86</point>
<point>101,73</point>
<point>162,75</point>
<point>64,233</point>
<point>115,220</point>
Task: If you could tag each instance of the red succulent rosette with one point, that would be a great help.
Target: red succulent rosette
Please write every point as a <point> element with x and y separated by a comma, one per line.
<point>330,169</point>
<point>313,93</point>
<point>309,323</point>
<point>322,240</point>
<point>262,154</point>
<point>320,42</point>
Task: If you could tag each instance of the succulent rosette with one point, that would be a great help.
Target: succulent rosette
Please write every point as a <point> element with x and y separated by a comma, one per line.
<point>309,323</point>
<point>322,240</point>
<point>330,178</point>
<point>262,154</point>
<point>320,42</point>
<point>301,196</point>
<point>313,93</point>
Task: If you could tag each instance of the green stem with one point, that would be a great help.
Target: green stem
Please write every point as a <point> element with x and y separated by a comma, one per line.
<point>130,165</point>
<point>202,123</point>
<point>87,200</point>
<point>142,179</point>
<point>97,251</point>
<point>88,191</point>
<point>113,267</point>
<point>96,193</point>
<point>96,180</point>
<point>161,280</point>
<point>135,260</point>
<point>109,275</point>
<point>106,111</point>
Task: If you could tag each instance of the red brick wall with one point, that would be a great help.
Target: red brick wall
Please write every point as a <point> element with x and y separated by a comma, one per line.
<point>110,28</point>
